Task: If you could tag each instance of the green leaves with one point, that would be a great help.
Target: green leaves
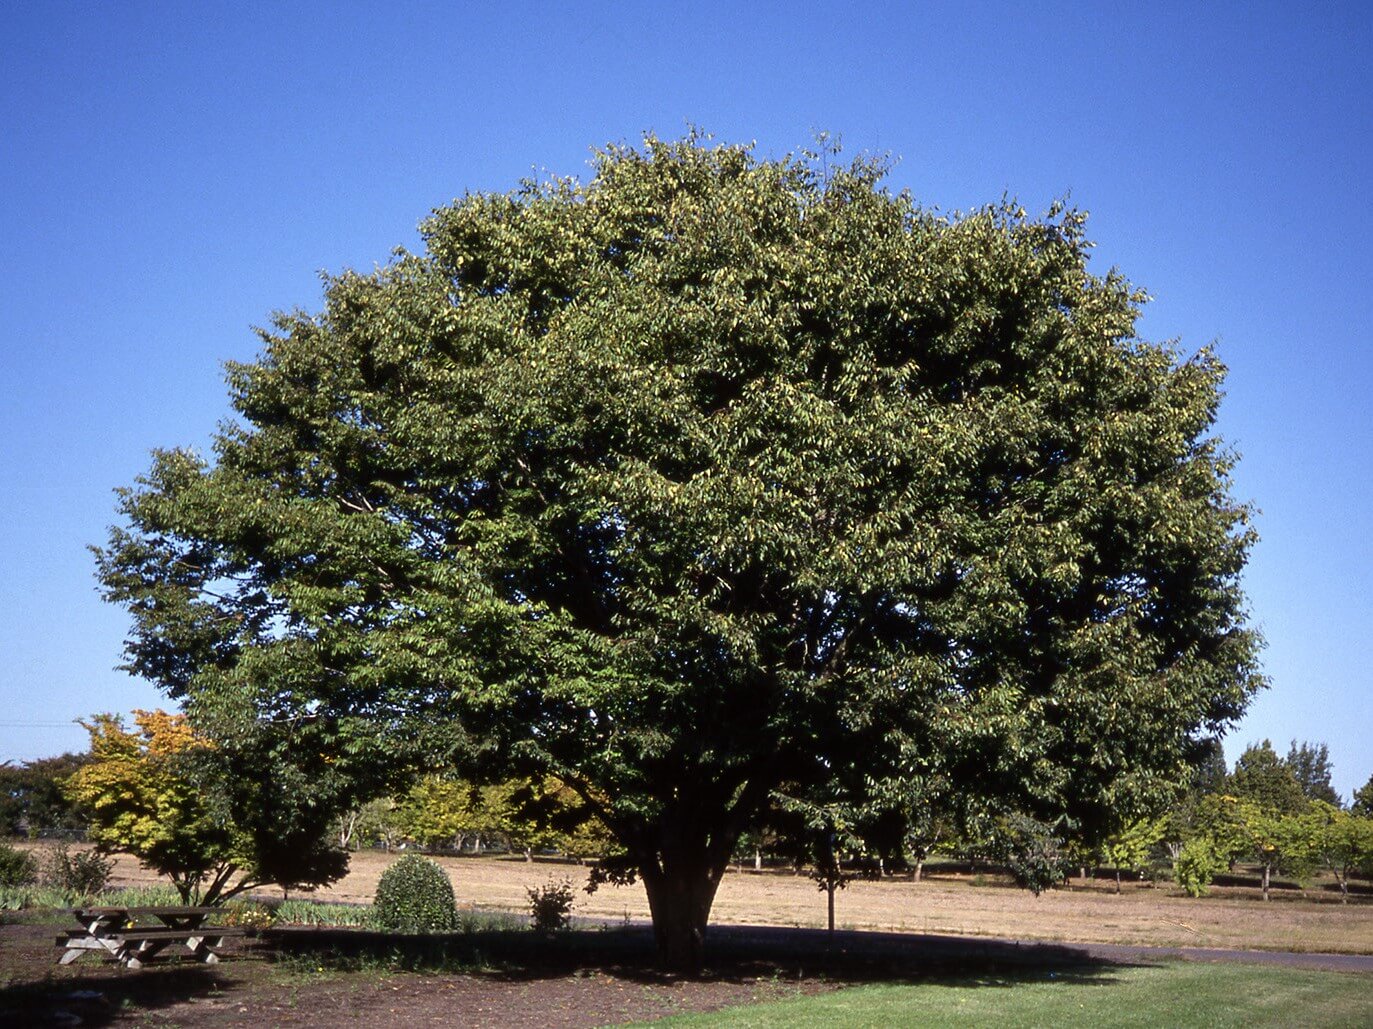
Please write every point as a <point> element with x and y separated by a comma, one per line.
<point>414,895</point>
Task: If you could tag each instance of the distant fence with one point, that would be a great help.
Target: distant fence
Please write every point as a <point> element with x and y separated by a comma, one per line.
<point>57,835</point>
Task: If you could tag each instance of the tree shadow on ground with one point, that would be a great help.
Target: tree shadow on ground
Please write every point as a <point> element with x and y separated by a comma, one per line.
<point>105,995</point>
<point>735,954</point>
<point>743,963</point>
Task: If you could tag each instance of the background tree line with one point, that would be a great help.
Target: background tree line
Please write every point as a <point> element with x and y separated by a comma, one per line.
<point>148,790</point>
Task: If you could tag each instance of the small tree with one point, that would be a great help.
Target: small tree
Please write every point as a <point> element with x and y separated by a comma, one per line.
<point>1199,861</point>
<point>929,827</point>
<point>1276,841</point>
<point>1128,849</point>
<point>164,793</point>
<point>377,821</point>
<point>443,811</point>
<point>1033,852</point>
<point>544,812</point>
<point>829,836</point>
<point>1195,812</point>
<point>1344,842</point>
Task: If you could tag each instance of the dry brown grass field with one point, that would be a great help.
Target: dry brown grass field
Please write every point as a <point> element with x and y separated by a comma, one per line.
<point>1089,912</point>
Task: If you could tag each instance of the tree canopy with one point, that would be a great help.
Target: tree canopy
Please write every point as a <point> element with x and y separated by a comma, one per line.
<point>31,798</point>
<point>1263,777</point>
<point>1310,764</point>
<point>1362,801</point>
<point>708,478</point>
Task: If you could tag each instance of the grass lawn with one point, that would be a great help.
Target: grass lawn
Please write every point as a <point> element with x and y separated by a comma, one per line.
<point>1173,994</point>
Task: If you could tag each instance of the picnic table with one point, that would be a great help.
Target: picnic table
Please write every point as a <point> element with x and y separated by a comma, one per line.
<point>127,935</point>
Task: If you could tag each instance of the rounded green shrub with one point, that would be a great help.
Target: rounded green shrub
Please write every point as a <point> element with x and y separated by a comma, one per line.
<point>414,895</point>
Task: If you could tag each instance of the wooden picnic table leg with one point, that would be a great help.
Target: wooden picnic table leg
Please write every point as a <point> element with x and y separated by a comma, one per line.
<point>93,940</point>
<point>199,942</point>
<point>76,946</point>
<point>142,950</point>
<point>201,947</point>
<point>100,927</point>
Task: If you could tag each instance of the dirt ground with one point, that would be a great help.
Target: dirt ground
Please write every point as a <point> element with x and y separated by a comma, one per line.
<point>312,977</point>
<point>1086,912</point>
<point>255,986</point>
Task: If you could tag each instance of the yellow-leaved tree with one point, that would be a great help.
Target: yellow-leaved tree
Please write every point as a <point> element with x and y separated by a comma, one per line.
<point>168,795</point>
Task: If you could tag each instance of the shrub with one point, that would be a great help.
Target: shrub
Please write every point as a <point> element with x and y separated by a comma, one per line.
<point>550,906</point>
<point>414,895</point>
<point>17,867</point>
<point>1199,861</point>
<point>86,872</point>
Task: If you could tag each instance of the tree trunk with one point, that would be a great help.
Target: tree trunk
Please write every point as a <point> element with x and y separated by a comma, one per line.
<point>679,901</point>
<point>757,860</point>
<point>1117,880</point>
<point>1265,881</point>
<point>919,866</point>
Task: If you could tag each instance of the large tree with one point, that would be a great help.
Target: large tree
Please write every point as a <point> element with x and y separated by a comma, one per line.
<point>706,478</point>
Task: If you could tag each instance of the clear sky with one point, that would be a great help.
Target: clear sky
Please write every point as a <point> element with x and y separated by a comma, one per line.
<point>171,173</point>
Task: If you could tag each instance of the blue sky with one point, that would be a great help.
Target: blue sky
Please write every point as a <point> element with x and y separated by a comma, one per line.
<point>172,173</point>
